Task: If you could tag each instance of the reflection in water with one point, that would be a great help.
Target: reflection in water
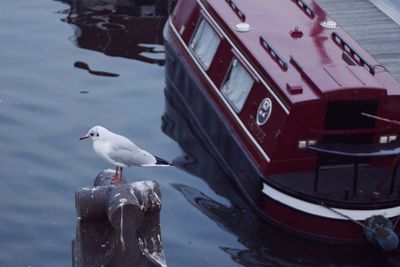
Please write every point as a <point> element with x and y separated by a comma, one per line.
<point>84,66</point>
<point>123,28</point>
<point>265,245</point>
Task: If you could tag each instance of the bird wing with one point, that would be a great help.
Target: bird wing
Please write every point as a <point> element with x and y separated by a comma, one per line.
<point>126,152</point>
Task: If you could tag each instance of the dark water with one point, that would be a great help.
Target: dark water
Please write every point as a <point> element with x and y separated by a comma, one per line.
<point>68,65</point>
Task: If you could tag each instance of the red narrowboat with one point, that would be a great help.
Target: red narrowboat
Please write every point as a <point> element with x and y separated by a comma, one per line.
<point>301,116</point>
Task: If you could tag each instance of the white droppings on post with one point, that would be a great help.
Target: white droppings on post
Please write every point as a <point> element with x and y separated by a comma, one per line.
<point>157,199</point>
<point>94,189</point>
<point>155,252</point>
<point>149,198</point>
<point>132,190</point>
<point>121,237</point>
<point>157,256</point>
<point>141,244</point>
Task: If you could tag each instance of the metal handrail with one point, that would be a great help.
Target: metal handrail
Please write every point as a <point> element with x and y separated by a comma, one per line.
<point>305,7</point>
<point>385,150</point>
<point>345,46</point>
<point>273,53</point>
<point>237,10</point>
<point>358,151</point>
<point>321,133</point>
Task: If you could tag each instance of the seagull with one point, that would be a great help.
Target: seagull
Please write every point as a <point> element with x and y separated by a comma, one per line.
<point>120,151</point>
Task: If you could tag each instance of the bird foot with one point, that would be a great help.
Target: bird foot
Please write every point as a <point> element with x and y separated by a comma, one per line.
<point>116,180</point>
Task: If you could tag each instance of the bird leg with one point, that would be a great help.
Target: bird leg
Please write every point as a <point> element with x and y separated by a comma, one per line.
<point>116,171</point>
<point>117,179</point>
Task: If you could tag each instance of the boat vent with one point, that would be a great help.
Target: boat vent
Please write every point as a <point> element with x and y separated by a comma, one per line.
<point>329,24</point>
<point>309,11</point>
<point>237,10</point>
<point>346,47</point>
<point>242,27</point>
<point>273,53</point>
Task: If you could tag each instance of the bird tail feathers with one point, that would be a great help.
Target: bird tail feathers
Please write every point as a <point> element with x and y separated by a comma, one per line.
<point>162,162</point>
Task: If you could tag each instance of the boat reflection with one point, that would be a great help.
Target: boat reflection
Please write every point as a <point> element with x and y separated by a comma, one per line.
<point>265,245</point>
<point>121,28</point>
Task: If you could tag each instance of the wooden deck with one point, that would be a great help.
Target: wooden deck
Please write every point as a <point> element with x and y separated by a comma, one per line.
<point>370,27</point>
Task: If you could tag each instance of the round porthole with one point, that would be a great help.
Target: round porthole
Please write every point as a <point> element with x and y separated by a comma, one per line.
<point>264,111</point>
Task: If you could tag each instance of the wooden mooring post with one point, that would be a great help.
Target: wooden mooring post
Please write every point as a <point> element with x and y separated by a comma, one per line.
<point>118,225</point>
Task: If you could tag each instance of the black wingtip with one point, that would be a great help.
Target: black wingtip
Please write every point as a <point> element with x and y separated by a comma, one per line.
<point>160,161</point>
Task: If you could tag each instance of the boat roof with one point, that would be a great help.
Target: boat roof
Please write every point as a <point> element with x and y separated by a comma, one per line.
<point>298,47</point>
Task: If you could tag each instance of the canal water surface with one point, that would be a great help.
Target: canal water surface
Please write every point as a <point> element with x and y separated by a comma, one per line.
<point>68,65</point>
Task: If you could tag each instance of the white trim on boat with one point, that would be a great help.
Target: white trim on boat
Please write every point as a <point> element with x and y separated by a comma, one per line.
<point>243,58</point>
<point>249,135</point>
<point>325,212</point>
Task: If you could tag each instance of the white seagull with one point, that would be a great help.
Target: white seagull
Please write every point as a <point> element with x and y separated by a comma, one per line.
<point>120,151</point>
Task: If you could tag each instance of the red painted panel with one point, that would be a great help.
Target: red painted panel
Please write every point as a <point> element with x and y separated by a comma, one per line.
<point>185,17</point>
<point>268,133</point>
<point>319,58</point>
<point>312,225</point>
<point>315,65</point>
<point>220,65</point>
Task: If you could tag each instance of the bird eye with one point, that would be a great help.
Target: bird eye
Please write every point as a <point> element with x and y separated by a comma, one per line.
<point>91,134</point>
<point>97,134</point>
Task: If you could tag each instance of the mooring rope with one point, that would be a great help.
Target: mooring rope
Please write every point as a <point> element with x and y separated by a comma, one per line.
<point>396,222</point>
<point>349,218</point>
<point>379,230</point>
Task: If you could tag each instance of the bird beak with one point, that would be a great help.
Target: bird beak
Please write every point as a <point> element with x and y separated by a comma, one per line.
<point>84,137</point>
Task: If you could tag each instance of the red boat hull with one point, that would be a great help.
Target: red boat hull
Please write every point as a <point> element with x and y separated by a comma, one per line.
<point>311,225</point>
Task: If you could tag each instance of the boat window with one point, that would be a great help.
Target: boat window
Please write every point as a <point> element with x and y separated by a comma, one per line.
<point>205,43</point>
<point>237,85</point>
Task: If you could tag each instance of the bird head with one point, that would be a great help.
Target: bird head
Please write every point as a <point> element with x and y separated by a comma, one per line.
<point>94,133</point>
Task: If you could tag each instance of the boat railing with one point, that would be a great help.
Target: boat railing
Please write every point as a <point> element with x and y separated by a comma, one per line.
<point>305,7</point>
<point>354,155</point>
<point>273,53</point>
<point>345,46</point>
<point>237,9</point>
<point>322,133</point>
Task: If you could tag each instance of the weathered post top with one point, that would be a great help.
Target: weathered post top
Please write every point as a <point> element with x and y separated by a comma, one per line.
<point>118,225</point>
